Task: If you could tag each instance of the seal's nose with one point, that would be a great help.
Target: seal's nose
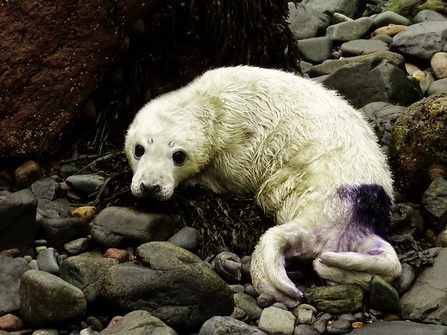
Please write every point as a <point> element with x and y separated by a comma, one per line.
<point>149,190</point>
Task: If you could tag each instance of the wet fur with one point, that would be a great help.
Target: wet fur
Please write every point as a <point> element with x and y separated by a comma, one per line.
<point>309,158</point>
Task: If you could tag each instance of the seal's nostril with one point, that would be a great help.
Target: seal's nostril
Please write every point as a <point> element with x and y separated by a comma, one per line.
<point>149,189</point>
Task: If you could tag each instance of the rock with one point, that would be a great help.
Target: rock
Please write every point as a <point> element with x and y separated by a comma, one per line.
<point>390,30</point>
<point>171,283</point>
<point>60,231</point>
<point>439,64</point>
<point>248,304</point>
<point>228,265</point>
<point>304,316</point>
<point>87,184</point>
<point>54,209</point>
<point>56,57</point>
<point>381,117</point>
<point>26,174</point>
<point>86,272</point>
<point>46,299</point>
<point>18,225</point>
<point>321,323</point>
<point>339,326</point>
<point>426,301</point>
<point>86,213</point>
<point>365,82</point>
<point>383,296</point>
<point>347,7</point>
<point>187,238</point>
<point>119,254</point>
<point>11,272</point>
<point>439,86</point>
<point>349,30</point>
<point>434,200</point>
<point>306,330</point>
<point>399,327</point>
<point>428,15</point>
<point>77,246</point>
<point>110,232</point>
<point>362,47</point>
<point>46,188</point>
<point>222,325</point>
<point>389,17</point>
<point>408,219</point>
<point>11,323</point>
<point>315,50</point>
<point>138,323</point>
<point>418,140</point>
<point>276,321</point>
<point>335,299</point>
<point>422,40</point>
<point>403,283</point>
<point>47,261</point>
<point>306,22</point>
<point>332,65</point>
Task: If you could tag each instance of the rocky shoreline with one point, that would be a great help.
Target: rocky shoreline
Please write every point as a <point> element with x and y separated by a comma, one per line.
<point>71,269</point>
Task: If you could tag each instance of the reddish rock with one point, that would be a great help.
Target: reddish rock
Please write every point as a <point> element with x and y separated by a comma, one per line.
<point>49,51</point>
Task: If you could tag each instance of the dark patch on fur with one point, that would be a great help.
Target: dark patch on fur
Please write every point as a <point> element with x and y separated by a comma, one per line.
<point>371,206</point>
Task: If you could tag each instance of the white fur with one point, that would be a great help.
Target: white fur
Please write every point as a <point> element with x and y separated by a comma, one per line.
<point>285,139</point>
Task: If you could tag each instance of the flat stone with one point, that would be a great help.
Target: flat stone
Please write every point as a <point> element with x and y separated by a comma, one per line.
<point>305,22</point>
<point>276,321</point>
<point>223,325</point>
<point>428,15</point>
<point>315,50</point>
<point>399,327</point>
<point>349,30</point>
<point>362,47</point>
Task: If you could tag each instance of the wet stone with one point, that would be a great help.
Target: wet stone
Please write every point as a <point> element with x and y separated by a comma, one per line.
<point>339,326</point>
<point>228,266</point>
<point>188,238</point>
<point>60,231</point>
<point>47,261</point>
<point>248,304</point>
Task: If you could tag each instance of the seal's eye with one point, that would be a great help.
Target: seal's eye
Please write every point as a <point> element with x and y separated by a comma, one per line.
<point>139,151</point>
<point>179,157</point>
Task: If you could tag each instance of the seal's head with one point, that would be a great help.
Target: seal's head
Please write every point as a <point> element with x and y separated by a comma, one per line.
<point>164,149</point>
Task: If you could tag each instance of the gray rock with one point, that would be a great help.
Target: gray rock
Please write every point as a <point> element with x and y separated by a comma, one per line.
<point>276,321</point>
<point>315,50</point>
<point>11,272</point>
<point>18,225</point>
<point>332,65</point>
<point>349,30</point>
<point>305,330</point>
<point>187,238</point>
<point>362,47</point>
<point>77,246</point>
<point>426,301</point>
<point>389,17</point>
<point>47,261</point>
<point>228,265</point>
<point>347,7</point>
<point>248,304</point>
<point>367,81</point>
<point>405,280</point>
<point>428,15</point>
<point>419,42</point>
<point>381,116</point>
<point>47,299</point>
<point>321,323</point>
<point>67,170</point>
<point>110,232</point>
<point>55,209</point>
<point>60,231</point>
<point>435,202</point>
<point>305,22</point>
<point>223,325</point>
<point>383,296</point>
<point>399,327</point>
<point>86,272</point>
<point>335,299</point>
<point>438,86</point>
<point>339,326</point>
<point>139,323</point>
<point>47,188</point>
<point>88,183</point>
<point>304,316</point>
<point>171,283</point>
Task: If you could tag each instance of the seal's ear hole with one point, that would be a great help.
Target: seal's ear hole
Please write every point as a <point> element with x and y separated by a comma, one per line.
<point>139,151</point>
<point>179,157</point>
